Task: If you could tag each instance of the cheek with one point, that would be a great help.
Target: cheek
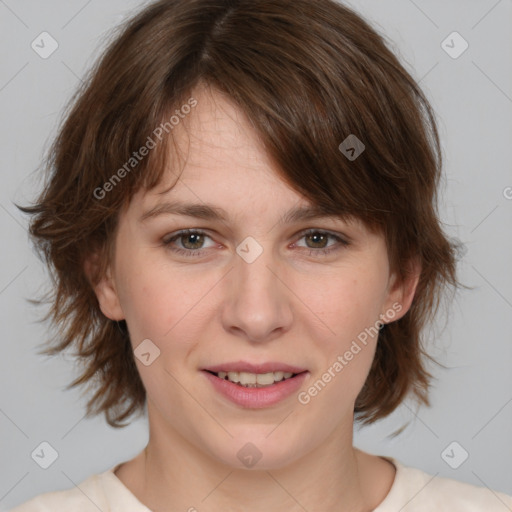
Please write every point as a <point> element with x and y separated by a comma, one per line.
<point>170,308</point>
<point>351,302</point>
<point>346,332</point>
<point>158,298</point>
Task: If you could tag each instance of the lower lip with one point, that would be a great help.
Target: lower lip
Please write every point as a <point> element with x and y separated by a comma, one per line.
<point>256,398</point>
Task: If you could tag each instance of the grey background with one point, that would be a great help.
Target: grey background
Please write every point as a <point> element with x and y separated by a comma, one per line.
<point>472,95</point>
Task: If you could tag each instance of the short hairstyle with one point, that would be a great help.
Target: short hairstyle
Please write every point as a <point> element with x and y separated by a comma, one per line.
<point>307,75</point>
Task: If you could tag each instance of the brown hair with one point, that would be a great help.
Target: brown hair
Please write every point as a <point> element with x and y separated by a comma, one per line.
<point>307,75</point>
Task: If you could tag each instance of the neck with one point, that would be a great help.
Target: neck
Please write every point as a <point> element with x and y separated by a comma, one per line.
<point>173,474</point>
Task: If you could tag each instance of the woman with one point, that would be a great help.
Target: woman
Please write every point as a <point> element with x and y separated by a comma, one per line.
<point>242,225</point>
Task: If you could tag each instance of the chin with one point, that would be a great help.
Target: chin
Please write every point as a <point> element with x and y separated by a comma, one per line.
<point>254,449</point>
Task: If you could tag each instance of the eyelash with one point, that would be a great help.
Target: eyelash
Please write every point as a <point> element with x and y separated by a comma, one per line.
<point>312,252</point>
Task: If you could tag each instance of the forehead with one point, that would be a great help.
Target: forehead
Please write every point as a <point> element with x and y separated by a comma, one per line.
<point>215,152</point>
<point>219,170</point>
<point>216,133</point>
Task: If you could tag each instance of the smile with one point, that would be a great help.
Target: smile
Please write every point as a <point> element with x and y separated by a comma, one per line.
<point>255,380</point>
<point>255,390</point>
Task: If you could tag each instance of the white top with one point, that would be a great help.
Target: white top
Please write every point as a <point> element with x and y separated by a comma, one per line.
<point>412,491</point>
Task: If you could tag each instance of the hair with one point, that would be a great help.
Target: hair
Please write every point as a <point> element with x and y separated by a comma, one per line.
<point>307,75</point>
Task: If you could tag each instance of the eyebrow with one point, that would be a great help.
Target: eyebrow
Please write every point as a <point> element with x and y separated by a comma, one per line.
<point>210,212</point>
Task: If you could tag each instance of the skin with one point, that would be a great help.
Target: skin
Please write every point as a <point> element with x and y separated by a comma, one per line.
<point>290,305</point>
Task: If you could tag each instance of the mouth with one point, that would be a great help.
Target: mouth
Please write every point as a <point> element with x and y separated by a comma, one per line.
<point>256,385</point>
<point>254,380</point>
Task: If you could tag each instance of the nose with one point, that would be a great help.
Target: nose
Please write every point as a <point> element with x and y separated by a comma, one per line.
<point>258,304</point>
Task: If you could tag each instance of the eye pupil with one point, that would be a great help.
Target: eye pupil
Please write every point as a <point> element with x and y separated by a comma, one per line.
<point>318,238</point>
<point>196,243</point>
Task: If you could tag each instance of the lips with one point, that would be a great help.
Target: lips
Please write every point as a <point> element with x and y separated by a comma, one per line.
<point>256,397</point>
<point>244,366</point>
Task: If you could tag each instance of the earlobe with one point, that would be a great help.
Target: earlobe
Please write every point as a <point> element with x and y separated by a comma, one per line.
<point>105,291</point>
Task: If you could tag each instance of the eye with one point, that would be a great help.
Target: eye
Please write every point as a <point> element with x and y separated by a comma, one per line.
<point>317,242</point>
<point>191,240</point>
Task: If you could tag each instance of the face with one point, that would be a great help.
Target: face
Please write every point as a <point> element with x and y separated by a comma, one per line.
<point>254,293</point>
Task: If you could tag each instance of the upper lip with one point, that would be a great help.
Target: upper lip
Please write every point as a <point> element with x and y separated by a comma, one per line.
<point>244,366</point>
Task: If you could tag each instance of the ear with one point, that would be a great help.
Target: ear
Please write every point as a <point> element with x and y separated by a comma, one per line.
<point>104,288</point>
<point>401,292</point>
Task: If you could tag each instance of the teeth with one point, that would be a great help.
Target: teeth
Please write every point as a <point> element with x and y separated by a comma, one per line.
<point>278,376</point>
<point>253,380</point>
<point>265,379</point>
<point>233,377</point>
<point>245,378</point>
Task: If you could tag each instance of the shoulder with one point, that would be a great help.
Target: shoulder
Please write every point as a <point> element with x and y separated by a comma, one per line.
<point>102,491</point>
<point>87,496</point>
<point>416,491</point>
